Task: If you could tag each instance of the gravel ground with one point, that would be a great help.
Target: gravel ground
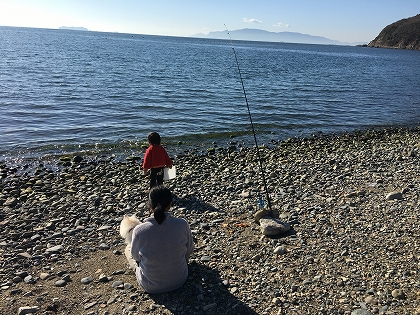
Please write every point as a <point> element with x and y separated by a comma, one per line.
<point>354,248</point>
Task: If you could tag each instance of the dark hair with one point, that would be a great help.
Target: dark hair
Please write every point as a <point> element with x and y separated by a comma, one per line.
<point>160,197</point>
<point>153,138</point>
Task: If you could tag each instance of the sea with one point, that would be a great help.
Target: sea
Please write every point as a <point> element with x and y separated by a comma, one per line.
<point>65,92</point>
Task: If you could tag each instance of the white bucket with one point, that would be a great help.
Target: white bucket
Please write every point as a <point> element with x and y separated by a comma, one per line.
<point>169,173</point>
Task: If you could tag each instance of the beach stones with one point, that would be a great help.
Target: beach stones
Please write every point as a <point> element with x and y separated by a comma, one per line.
<point>338,245</point>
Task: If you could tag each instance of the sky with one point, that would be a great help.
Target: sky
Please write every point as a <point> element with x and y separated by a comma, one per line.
<point>350,21</point>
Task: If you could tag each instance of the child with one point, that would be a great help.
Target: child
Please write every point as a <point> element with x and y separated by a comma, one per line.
<point>155,159</point>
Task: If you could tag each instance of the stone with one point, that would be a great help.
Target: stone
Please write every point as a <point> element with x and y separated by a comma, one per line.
<point>54,249</point>
<point>272,226</point>
<point>260,214</point>
<point>398,294</point>
<point>86,280</point>
<point>118,284</point>
<point>396,195</point>
<point>280,250</point>
<point>29,279</point>
<point>60,283</point>
<point>90,305</point>
<point>370,299</point>
<point>27,310</point>
<point>10,202</point>
<point>103,246</point>
<point>209,306</point>
<point>16,279</point>
<point>205,258</point>
<point>128,286</point>
<point>44,275</point>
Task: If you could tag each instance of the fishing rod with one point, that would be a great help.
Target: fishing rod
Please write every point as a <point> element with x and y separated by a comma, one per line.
<point>253,130</point>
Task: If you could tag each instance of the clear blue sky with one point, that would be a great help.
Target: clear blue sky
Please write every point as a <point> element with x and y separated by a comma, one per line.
<point>343,20</point>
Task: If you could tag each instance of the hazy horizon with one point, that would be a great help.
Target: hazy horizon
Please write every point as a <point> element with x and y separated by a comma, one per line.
<point>344,21</point>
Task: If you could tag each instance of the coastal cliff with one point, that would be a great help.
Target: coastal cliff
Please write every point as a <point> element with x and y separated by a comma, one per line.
<point>403,34</point>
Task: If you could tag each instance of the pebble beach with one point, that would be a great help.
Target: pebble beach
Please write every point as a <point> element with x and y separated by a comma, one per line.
<point>351,200</point>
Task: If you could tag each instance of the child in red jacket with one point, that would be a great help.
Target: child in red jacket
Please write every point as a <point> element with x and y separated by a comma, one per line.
<point>155,159</point>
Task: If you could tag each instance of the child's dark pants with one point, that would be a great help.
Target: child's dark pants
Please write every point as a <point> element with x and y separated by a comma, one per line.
<point>156,177</point>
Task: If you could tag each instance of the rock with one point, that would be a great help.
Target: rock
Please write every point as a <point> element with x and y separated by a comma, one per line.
<point>77,159</point>
<point>16,279</point>
<point>10,202</point>
<point>103,278</point>
<point>54,250</point>
<point>396,195</point>
<point>60,283</point>
<point>28,310</point>
<point>280,250</point>
<point>29,280</point>
<point>86,280</point>
<point>370,299</point>
<point>104,246</point>
<point>209,306</point>
<point>128,286</point>
<point>22,274</point>
<point>154,306</point>
<point>244,194</point>
<point>271,226</point>
<point>398,294</point>
<point>44,275</point>
<point>90,305</point>
<point>260,214</point>
<point>118,284</point>
<point>118,272</point>
<point>361,311</point>
<point>132,308</point>
<point>205,258</point>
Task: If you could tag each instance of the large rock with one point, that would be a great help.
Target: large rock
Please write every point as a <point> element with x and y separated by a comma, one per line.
<point>272,226</point>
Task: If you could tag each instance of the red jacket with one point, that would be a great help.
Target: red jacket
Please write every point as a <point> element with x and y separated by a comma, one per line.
<point>155,157</point>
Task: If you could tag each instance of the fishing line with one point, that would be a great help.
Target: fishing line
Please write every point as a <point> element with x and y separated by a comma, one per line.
<point>253,131</point>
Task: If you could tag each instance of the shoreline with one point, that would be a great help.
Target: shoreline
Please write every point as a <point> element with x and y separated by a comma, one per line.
<point>135,151</point>
<point>352,201</point>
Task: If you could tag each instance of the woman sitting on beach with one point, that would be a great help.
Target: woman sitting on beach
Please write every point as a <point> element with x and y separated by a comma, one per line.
<point>161,246</point>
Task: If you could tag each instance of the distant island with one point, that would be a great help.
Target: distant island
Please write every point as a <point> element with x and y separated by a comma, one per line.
<point>403,34</point>
<point>266,36</point>
<point>73,28</point>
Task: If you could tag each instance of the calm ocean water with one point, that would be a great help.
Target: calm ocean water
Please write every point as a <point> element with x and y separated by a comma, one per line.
<point>72,91</point>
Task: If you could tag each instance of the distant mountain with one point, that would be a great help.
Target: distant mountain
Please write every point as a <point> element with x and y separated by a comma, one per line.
<point>403,34</point>
<point>73,28</point>
<point>266,36</point>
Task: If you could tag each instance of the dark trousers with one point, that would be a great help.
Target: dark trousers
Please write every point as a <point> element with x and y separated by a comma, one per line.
<point>156,177</point>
